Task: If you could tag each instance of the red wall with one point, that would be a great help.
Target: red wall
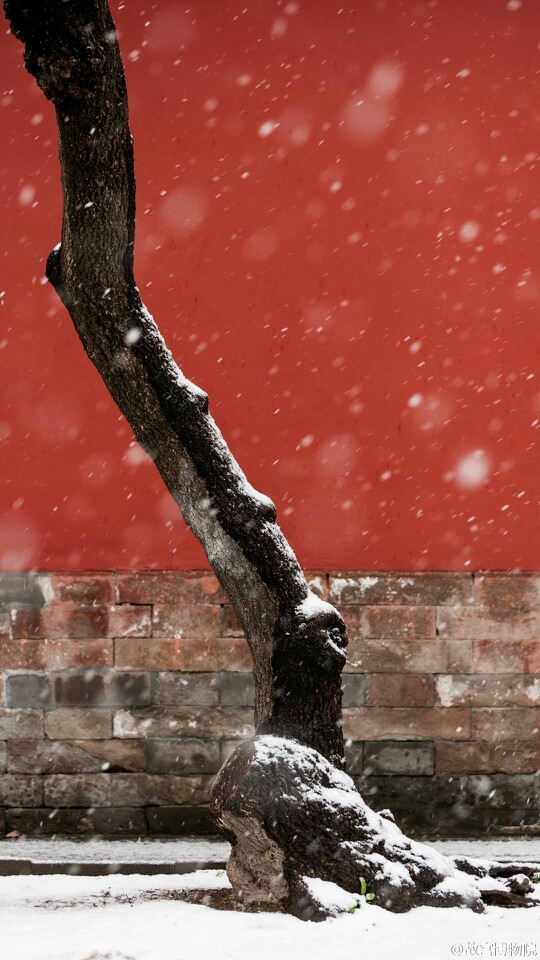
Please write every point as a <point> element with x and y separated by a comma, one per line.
<point>358,290</point>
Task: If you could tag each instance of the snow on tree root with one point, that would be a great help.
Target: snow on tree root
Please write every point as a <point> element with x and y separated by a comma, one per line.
<point>292,817</point>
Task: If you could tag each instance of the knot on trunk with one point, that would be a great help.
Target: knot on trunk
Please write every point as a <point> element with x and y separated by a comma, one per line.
<point>65,45</point>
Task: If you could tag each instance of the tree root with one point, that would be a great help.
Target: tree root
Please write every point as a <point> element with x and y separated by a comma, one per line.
<point>292,817</point>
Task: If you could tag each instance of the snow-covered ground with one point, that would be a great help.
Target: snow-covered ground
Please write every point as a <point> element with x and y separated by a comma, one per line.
<point>212,851</point>
<point>135,918</point>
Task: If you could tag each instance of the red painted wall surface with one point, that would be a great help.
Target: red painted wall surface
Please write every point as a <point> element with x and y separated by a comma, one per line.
<point>339,235</point>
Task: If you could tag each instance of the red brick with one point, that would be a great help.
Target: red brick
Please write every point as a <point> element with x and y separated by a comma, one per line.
<point>455,690</point>
<point>21,655</point>
<point>409,656</point>
<point>83,588</point>
<point>65,619</point>
<point>63,654</point>
<point>400,622</point>
<point>130,621</point>
<point>515,757</point>
<point>169,586</point>
<point>508,656</point>
<point>61,619</point>
<point>479,623</point>
<point>506,595</point>
<point>189,620</point>
<point>425,589</point>
<point>230,625</point>
<point>164,653</point>
<point>397,690</point>
<point>506,723</point>
<point>406,723</point>
<point>317,581</point>
<point>351,616</point>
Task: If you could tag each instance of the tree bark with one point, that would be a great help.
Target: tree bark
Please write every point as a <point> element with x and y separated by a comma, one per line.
<point>297,641</point>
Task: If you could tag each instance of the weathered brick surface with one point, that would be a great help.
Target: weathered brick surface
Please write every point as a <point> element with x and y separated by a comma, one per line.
<point>105,688</point>
<point>409,656</point>
<point>404,757</point>
<point>78,724</point>
<point>20,724</point>
<point>122,693</point>
<point>482,757</point>
<point>197,655</point>
<point>388,622</point>
<point>21,654</point>
<point>182,620</point>
<point>425,589</point>
<point>83,589</point>
<point>65,654</point>
<point>391,723</point>
<point>483,623</point>
<point>74,756</point>
<point>354,689</point>
<point>400,690</point>
<point>67,619</point>
<point>236,689</point>
<point>506,723</point>
<point>28,690</point>
<point>17,790</point>
<point>488,691</point>
<point>205,722</point>
<point>183,755</point>
<point>506,656</point>
<point>169,586</point>
<point>144,789</point>
<point>197,689</point>
<point>163,821</point>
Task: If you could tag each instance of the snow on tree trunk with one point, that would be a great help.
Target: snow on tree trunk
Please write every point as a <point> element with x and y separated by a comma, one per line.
<point>292,814</point>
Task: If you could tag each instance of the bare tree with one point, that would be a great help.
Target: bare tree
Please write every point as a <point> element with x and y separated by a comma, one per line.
<point>283,799</point>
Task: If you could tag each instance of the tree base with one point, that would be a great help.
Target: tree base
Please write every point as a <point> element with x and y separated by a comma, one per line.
<point>292,817</point>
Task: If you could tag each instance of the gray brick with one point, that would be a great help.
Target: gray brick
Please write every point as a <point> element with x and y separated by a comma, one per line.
<point>354,689</point>
<point>206,723</point>
<point>142,789</point>
<point>20,724</point>
<point>199,689</point>
<point>66,724</point>
<point>227,748</point>
<point>20,791</point>
<point>354,757</point>
<point>101,688</point>
<point>180,821</point>
<point>184,755</point>
<point>69,756</point>
<point>47,821</point>
<point>20,591</point>
<point>237,689</point>
<point>77,790</point>
<point>403,757</point>
<point>3,756</point>
<point>28,690</point>
<point>120,822</point>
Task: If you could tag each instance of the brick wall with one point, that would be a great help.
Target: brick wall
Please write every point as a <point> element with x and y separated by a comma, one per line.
<point>122,693</point>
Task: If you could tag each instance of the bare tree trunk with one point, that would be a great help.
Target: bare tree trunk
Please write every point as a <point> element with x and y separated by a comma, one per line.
<point>283,799</point>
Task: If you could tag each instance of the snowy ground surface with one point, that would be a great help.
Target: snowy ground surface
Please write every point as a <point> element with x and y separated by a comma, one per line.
<point>130,918</point>
<point>98,850</point>
<point>210,851</point>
